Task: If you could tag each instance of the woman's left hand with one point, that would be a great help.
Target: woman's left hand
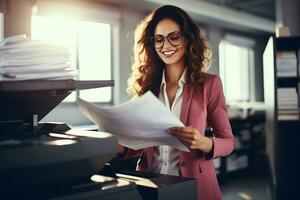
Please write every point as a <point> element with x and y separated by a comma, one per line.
<point>191,138</point>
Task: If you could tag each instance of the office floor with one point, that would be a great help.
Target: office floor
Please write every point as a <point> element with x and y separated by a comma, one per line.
<point>251,187</point>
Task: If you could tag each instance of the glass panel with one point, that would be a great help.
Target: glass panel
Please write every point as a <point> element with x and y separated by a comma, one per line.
<point>95,58</point>
<point>235,71</point>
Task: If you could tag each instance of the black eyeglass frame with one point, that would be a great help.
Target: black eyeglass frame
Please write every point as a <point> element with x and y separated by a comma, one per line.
<point>152,39</point>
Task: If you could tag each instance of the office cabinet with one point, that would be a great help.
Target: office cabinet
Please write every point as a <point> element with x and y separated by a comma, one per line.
<point>281,93</point>
<point>248,155</point>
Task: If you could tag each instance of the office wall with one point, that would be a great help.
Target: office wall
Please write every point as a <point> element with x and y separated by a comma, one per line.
<point>17,16</point>
<point>130,19</point>
<point>214,35</point>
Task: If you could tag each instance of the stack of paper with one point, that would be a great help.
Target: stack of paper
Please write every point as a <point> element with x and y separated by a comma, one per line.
<point>287,103</point>
<point>24,58</point>
<point>137,124</point>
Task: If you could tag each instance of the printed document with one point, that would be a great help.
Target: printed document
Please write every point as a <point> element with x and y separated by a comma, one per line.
<point>138,124</point>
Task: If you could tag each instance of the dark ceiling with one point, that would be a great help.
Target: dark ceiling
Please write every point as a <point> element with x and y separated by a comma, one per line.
<point>262,8</point>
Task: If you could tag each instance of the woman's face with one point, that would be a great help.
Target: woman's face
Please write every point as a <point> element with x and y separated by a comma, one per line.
<point>169,42</point>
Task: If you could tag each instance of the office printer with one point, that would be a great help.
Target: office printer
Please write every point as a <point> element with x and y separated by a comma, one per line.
<point>50,160</point>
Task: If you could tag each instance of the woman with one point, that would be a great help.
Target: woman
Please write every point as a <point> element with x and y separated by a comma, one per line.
<point>171,58</point>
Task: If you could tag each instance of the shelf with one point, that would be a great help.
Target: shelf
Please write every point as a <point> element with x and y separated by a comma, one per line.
<point>289,78</point>
<point>288,120</point>
<point>287,81</point>
<point>244,150</point>
<point>287,43</point>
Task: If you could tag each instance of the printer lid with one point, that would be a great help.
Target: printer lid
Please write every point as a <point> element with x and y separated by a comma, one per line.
<point>22,101</point>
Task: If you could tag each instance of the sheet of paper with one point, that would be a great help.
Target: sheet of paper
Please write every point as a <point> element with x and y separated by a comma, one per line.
<point>138,124</point>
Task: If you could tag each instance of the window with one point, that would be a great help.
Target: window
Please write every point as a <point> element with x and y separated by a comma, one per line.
<point>90,44</point>
<point>236,65</point>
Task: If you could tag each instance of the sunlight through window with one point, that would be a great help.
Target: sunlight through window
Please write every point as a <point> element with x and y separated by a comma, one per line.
<point>235,64</point>
<point>95,58</point>
<point>90,44</point>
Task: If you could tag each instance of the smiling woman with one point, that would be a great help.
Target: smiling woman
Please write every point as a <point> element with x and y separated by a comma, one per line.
<point>171,58</point>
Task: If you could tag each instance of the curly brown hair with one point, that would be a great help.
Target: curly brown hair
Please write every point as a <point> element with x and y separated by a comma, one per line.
<point>147,67</point>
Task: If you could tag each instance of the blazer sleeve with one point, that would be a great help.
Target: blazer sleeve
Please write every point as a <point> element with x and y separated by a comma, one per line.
<point>222,137</point>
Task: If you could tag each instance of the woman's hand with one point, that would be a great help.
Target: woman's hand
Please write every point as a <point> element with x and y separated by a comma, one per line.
<point>120,149</point>
<point>191,138</point>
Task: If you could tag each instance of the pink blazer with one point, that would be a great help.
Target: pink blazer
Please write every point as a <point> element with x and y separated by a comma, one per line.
<point>201,108</point>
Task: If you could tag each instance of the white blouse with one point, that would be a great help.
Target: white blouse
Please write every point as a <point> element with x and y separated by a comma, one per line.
<point>166,158</point>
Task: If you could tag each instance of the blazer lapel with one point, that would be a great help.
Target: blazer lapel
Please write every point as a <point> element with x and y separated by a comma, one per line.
<point>186,103</point>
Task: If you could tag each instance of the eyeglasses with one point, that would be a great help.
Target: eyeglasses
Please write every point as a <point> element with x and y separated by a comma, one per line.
<point>174,38</point>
